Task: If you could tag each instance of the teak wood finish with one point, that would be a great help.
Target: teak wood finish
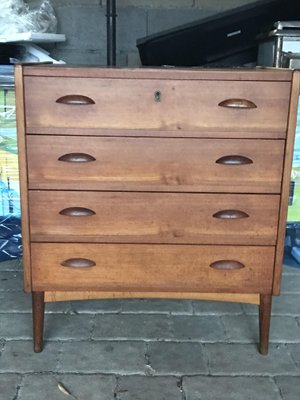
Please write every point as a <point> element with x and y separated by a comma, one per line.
<point>155,104</point>
<point>163,268</point>
<point>154,183</point>
<point>122,217</point>
<point>155,164</point>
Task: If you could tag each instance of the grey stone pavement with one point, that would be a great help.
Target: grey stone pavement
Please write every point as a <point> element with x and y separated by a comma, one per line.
<point>148,349</point>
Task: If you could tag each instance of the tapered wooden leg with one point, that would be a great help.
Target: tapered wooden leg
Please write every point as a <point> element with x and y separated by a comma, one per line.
<point>38,308</point>
<point>264,322</point>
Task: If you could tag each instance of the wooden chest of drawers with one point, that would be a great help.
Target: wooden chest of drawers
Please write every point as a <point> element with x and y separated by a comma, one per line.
<point>154,183</point>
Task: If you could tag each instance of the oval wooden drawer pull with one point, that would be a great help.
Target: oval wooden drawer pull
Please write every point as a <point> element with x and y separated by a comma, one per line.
<point>77,212</point>
<point>238,103</point>
<point>77,158</point>
<point>230,214</point>
<point>75,100</point>
<point>227,265</point>
<point>78,263</point>
<point>234,160</point>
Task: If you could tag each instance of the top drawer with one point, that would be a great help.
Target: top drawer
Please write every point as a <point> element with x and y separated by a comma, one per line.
<point>156,104</point>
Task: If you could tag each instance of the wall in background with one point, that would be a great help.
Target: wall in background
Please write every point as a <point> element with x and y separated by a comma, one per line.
<point>84,23</point>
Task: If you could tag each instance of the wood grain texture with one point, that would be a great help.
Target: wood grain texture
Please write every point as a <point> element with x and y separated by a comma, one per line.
<point>265,308</point>
<point>23,177</point>
<point>131,104</point>
<point>151,214</point>
<point>259,74</point>
<point>162,268</point>
<point>38,309</point>
<point>152,218</point>
<point>155,164</point>
<point>229,297</point>
<point>292,122</point>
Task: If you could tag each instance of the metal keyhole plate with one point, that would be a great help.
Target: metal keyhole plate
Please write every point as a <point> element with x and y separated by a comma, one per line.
<point>157,96</point>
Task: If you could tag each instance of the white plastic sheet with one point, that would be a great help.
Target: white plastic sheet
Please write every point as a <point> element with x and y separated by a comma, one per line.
<point>17,17</point>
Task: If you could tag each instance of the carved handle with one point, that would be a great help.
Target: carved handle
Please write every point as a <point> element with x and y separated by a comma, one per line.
<point>78,263</point>
<point>234,160</point>
<point>77,158</point>
<point>238,103</point>
<point>77,212</point>
<point>227,265</point>
<point>230,214</point>
<point>75,100</point>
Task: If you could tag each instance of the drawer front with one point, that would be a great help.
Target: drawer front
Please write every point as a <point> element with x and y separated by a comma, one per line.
<point>156,104</point>
<point>155,164</point>
<point>123,267</point>
<point>153,217</point>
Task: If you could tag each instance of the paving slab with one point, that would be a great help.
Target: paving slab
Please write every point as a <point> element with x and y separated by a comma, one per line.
<point>290,284</point>
<point>15,302</point>
<point>11,265</point>
<point>11,280</point>
<point>288,270</point>
<point>132,326</point>
<point>9,386</point>
<point>96,306</point>
<point>171,358</point>
<point>285,304</point>
<point>233,388</point>
<point>245,328</point>
<point>20,302</point>
<point>241,328</point>
<point>148,388</point>
<point>216,307</point>
<point>89,387</point>
<point>68,327</point>
<point>157,306</point>
<point>244,359</point>
<point>294,350</point>
<point>18,356</point>
<point>289,387</point>
<point>284,330</point>
<point>15,326</point>
<point>2,344</point>
<point>58,307</point>
<point>200,328</point>
<point>251,309</point>
<point>103,357</point>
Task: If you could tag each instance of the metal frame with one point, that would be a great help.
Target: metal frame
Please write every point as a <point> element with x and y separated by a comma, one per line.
<point>111,19</point>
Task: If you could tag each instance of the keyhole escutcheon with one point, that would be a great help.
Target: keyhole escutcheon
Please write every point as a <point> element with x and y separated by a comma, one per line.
<point>157,96</point>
